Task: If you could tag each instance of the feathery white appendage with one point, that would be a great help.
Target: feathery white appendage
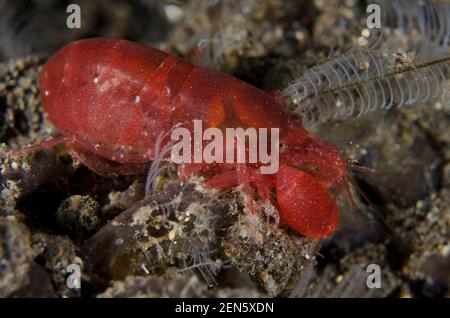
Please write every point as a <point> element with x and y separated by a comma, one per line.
<point>403,63</point>
<point>157,165</point>
<point>363,81</point>
<point>425,23</point>
<point>198,258</point>
<point>352,66</point>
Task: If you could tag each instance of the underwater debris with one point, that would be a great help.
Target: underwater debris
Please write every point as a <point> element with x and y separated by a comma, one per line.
<point>193,229</point>
<point>119,201</point>
<point>329,284</point>
<point>350,285</point>
<point>19,177</point>
<point>179,286</point>
<point>171,227</point>
<point>349,277</point>
<point>188,286</point>
<point>55,253</point>
<point>79,214</point>
<point>16,256</point>
<point>276,257</point>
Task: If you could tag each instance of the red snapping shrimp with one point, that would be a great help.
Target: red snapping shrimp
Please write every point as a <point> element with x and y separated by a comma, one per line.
<point>111,99</point>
